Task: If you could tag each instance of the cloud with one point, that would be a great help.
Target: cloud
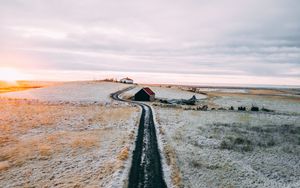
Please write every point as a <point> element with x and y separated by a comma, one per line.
<point>221,38</point>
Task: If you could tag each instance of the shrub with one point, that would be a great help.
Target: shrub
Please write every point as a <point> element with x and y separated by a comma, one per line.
<point>254,108</point>
<point>45,150</point>
<point>240,140</point>
<point>271,143</point>
<point>124,154</point>
<point>176,177</point>
<point>84,142</point>
<point>196,164</point>
<point>226,145</point>
<point>247,148</point>
<point>237,144</point>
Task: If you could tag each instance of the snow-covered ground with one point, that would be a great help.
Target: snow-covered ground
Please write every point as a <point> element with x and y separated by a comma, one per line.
<point>223,90</point>
<point>232,148</point>
<point>65,145</point>
<point>66,135</point>
<point>71,135</point>
<point>166,93</point>
<point>279,105</point>
<point>71,91</point>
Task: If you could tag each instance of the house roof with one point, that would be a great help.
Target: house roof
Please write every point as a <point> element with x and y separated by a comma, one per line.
<point>126,78</point>
<point>148,91</point>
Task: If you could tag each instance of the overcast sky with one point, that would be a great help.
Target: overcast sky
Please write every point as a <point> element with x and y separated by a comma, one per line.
<point>187,41</point>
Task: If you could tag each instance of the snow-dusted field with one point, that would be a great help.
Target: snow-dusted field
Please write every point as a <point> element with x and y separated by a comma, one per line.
<point>67,135</point>
<point>232,148</point>
<point>223,90</point>
<point>166,93</point>
<point>279,105</point>
<point>72,135</point>
<point>71,92</point>
<point>65,145</point>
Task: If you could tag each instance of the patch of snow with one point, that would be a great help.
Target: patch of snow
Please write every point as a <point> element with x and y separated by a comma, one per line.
<point>83,92</point>
<point>222,90</point>
<point>267,102</point>
<point>196,137</point>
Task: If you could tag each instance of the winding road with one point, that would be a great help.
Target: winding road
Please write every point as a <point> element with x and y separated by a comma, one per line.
<point>146,168</point>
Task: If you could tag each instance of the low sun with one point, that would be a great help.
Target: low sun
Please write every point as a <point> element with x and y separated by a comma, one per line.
<point>10,75</point>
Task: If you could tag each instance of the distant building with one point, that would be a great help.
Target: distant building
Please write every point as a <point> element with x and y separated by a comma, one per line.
<point>126,81</point>
<point>145,94</point>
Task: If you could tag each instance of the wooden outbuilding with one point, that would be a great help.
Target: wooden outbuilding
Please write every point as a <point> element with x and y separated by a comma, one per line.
<point>145,94</point>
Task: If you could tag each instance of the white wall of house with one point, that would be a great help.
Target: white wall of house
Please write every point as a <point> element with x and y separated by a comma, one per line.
<point>127,81</point>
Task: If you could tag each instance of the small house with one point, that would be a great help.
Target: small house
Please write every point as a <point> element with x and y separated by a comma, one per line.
<point>126,80</point>
<point>145,94</point>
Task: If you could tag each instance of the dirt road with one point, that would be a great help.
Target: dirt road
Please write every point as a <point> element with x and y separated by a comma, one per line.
<point>146,169</point>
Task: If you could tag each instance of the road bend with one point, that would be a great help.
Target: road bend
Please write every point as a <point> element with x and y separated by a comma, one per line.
<point>146,168</point>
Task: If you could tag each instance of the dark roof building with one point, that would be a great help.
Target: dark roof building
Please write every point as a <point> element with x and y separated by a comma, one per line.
<point>145,94</point>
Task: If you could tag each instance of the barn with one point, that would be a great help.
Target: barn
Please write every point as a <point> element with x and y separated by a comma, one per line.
<point>126,80</point>
<point>145,94</point>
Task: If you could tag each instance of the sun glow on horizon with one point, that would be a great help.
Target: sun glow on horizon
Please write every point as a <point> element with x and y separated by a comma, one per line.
<point>11,75</point>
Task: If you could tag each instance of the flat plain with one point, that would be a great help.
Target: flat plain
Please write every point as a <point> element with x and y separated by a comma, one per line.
<point>74,135</point>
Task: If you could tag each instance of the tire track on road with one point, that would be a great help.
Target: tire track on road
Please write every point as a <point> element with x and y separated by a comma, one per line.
<point>146,168</point>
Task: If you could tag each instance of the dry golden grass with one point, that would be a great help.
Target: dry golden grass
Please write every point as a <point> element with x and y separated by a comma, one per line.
<point>112,114</point>
<point>264,94</point>
<point>5,128</point>
<point>176,177</point>
<point>53,138</point>
<point>161,130</point>
<point>19,117</point>
<point>169,154</point>
<point>17,154</point>
<point>4,165</point>
<point>4,139</point>
<point>39,148</point>
<point>171,161</point>
<point>13,89</point>
<point>85,142</point>
<point>22,85</point>
<point>45,150</point>
<point>251,92</point>
<point>36,135</point>
<point>124,154</point>
<point>107,170</point>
